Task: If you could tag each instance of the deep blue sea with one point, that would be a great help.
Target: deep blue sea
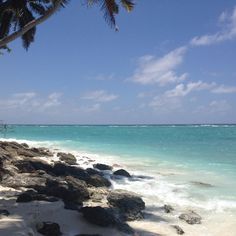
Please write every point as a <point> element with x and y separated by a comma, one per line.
<point>178,156</point>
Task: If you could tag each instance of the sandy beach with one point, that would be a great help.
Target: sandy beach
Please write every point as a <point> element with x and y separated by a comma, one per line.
<point>24,218</point>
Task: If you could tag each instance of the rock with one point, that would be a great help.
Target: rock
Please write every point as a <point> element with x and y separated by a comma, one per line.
<point>191,217</point>
<point>42,151</point>
<point>98,181</point>
<point>78,185</point>
<point>99,216</point>
<point>61,169</point>
<point>168,208</point>
<point>124,227</point>
<point>178,229</point>
<point>92,171</point>
<point>67,191</point>
<point>102,166</point>
<point>4,212</point>
<point>32,165</point>
<point>71,206</point>
<point>67,158</point>
<point>24,197</point>
<point>25,145</point>
<point>98,194</point>
<point>122,172</point>
<point>23,180</point>
<point>129,204</point>
<point>16,149</point>
<point>49,229</point>
<point>30,195</point>
<point>26,152</point>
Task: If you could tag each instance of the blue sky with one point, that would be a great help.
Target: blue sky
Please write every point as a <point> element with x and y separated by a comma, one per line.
<point>170,62</point>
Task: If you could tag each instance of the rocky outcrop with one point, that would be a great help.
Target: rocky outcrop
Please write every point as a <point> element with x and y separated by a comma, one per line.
<point>99,216</point>
<point>61,169</point>
<point>191,217</point>
<point>98,181</point>
<point>16,149</point>
<point>22,169</point>
<point>48,229</point>
<point>92,171</point>
<point>122,172</point>
<point>31,195</point>
<point>25,180</point>
<point>129,204</point>
<point>105,217</point>
<point>28,165</point>
<point>100,166</point>
<point>68,158</point>
<point>69,191</point>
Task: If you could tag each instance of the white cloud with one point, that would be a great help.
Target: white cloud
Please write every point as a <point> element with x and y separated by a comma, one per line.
<point>228,31</point>
<point>216,106</point>
<point>181,90</point>
<point>89,109</point>
<point>100,96</point>
<point>161,71</point>
<point>30,101</point>
<point>173,99</point>
<point>164,104</point>
<point>222,89</point>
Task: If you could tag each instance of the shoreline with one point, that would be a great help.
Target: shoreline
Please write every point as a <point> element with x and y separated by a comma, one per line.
<point>158,223</point>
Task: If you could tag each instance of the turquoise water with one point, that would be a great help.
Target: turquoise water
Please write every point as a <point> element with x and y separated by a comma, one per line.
<point>192,152</point>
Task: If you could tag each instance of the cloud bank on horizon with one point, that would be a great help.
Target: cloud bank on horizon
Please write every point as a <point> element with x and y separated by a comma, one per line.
<point>161,89</point>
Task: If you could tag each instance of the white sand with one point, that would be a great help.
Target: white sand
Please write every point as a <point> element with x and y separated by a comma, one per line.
<point>24,217</point>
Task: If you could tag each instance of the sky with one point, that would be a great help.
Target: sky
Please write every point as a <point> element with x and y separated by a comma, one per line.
<point>170,62</point>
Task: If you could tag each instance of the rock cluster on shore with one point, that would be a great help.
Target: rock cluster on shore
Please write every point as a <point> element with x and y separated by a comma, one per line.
<point>84,190</point>
<point>40,175</point>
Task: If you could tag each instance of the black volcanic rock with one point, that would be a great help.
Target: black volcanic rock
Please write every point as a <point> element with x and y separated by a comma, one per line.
<point>129,204</point>
<point>100,166</point>
<point>122,172</point>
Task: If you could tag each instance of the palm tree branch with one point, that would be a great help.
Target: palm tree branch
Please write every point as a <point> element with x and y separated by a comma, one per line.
<point>31,24</point>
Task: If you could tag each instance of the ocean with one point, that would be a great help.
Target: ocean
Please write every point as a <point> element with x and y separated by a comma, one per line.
<point>187,166</point>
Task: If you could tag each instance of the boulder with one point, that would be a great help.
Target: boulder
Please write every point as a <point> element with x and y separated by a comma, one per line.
<point>4,212</point>
<point>30,195</point>
<point>61,169</point>
<point>23,180</point>
<point>99,216</point>
<point>67,191</point>
<point>122,172</point>
<point>49,229</point>
<point>191,217</point>
<point>98,194</point>
<point>168,208</point>
<point>98,181</point>
<point>67,158</point>
<point>129,204</point>
<point>92,171</point>
<point>31,165</point>
<point>79,185</point>
<point>100,166</point>
<point>41,151</point>
<point>178,229</point>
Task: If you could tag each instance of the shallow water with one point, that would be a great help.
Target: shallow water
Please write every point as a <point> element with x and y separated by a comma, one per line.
<point>192,167</point>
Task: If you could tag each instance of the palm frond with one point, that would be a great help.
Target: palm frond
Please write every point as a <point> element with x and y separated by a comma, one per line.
<point>128,4</point>
<point>5,24</point>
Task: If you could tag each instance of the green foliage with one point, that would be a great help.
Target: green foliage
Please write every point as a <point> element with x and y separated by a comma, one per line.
<point>16,14</point>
